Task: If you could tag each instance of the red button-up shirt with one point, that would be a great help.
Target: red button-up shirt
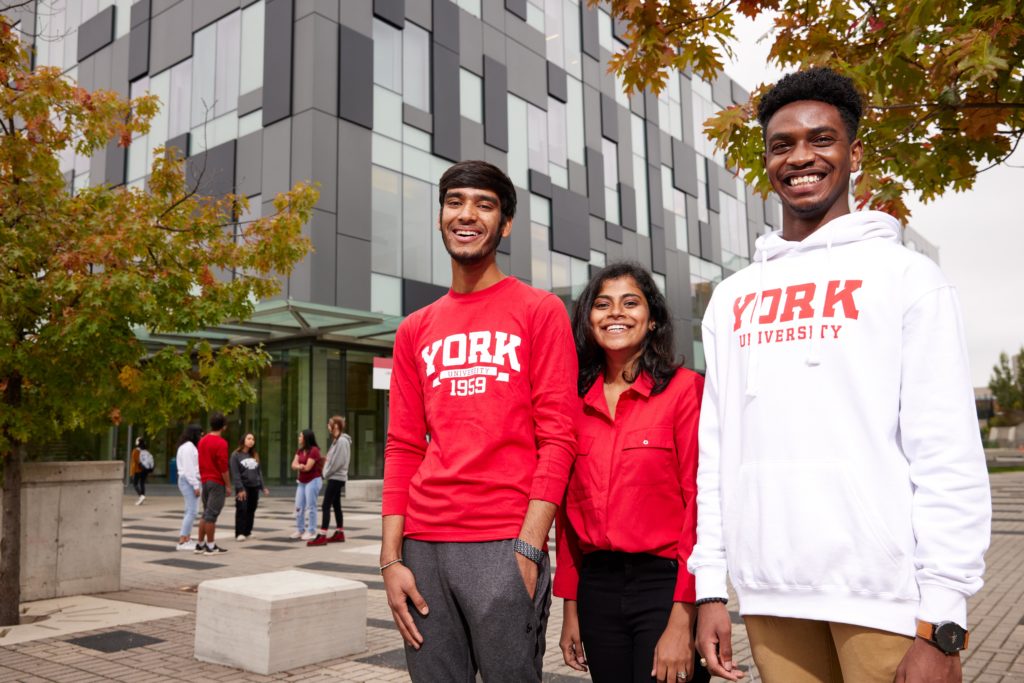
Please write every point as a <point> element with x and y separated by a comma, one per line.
<point>633,486</point>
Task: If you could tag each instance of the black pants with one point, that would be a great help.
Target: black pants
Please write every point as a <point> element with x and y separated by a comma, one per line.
<point>624,601</point>
<point>245,511</point>
<point>139,481</point>
<point>332,498</point>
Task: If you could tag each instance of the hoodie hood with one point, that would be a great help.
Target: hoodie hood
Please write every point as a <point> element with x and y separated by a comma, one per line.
<point>851,227</point>
<point>848,228</point>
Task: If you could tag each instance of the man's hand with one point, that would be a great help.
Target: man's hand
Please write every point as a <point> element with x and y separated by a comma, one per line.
<point>569,642</point>
<point>674,652</point>
<point>529,570</point>
<point>926,663</point>
<point>400,587</point>
<point>714,640</point>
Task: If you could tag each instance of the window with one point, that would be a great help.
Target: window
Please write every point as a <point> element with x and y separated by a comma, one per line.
<point>216,80</point>
<point>704,276</point>
<point>575,142</point>
<point>387,56</point>
<point>471,6</point>
<point>639,140</point>
<point>670,107</point>
<point>537,127</point>
<point>518,159</point>
<point>387,113</point>
<point>703,109</point>
<point>558,153</point>
<point>735,247</point>
<point>610,153</point>
<point>252,47</point>
<point>139,149</point>
<point>702,189</point>
<point>416,66</point>
<point>386,242</point>
<point>535,14</point>
<point>555,31</point>
<point>418,228</point>
<point>604,31</point>
<point>385,294</point>
<point>471,96</point>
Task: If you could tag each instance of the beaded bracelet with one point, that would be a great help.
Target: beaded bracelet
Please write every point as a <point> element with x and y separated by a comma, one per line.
<point>705,601</point>
<point>388,564</point>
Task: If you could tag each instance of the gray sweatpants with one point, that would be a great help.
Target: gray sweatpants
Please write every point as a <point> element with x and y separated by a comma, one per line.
<point>481,616</point>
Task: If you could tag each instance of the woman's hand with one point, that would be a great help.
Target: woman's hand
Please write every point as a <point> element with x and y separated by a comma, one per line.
<point>570,643</point>
<point>674,652</point>
<point>241,496</point>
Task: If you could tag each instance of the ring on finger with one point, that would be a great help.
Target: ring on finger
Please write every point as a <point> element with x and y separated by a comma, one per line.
<point>681,676</point>
<point>704,662</point>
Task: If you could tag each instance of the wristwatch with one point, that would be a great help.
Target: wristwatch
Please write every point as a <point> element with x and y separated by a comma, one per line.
<point>535,555</point>
<point>948,636</point>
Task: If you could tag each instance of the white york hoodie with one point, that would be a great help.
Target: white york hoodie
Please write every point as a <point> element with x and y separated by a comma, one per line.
<point>841,475</point>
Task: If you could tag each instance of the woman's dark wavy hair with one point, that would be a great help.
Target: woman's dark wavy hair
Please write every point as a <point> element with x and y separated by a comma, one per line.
<point>657,356</point>
<point>191,433</point>
<point>817,83</point>
<point>308,440</point>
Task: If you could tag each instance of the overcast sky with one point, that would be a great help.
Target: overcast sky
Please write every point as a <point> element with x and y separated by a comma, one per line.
<point>980,234</point>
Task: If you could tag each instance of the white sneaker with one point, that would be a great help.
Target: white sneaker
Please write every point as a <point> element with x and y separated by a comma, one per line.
<point>187,545</point>
<point>307,536</point>
<point>295,534</point>
<point>240,538</point>
<point>140,500</point>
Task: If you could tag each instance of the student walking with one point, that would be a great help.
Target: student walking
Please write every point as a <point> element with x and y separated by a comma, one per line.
<point>336,476</point>
<point>629,520</point>
<point>213,470</point>
<point>142,463</point>
<point>308,463</point>
<point>189,484</point>
<point>248,484</point>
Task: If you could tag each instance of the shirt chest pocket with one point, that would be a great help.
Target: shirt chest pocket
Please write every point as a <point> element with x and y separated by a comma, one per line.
<point>649,455</point>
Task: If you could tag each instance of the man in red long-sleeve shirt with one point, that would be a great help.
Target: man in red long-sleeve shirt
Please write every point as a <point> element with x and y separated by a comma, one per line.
<point>478,454</point>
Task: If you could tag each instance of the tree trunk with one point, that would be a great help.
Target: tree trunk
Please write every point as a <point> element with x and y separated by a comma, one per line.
<point>10,545</point>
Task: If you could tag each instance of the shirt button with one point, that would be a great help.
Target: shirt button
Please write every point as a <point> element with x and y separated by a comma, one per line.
<point>645,442</point>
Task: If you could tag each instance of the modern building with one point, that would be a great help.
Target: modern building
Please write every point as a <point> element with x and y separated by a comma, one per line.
<point>373,99</point>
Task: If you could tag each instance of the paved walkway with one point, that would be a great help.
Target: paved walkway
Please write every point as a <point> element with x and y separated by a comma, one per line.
<point>154,575</point>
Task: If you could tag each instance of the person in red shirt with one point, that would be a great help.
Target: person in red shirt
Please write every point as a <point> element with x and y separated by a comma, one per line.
<point>308,464</point>
<point>629,521</point>
<point>480,443</point>
<point>213,471</point>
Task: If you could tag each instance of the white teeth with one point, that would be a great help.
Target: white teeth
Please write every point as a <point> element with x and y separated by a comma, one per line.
<point>804,180</point>
<point>616,328</point>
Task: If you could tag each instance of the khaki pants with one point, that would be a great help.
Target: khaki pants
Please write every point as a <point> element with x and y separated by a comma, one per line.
<point>805,651</point>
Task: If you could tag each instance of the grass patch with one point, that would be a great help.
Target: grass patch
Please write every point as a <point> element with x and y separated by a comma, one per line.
<point>1005,468</point>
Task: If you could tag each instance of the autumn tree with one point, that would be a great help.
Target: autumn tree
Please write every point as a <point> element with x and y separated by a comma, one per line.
<point>1007,386</point>
<point>943,80</point>
<point>81,272</point>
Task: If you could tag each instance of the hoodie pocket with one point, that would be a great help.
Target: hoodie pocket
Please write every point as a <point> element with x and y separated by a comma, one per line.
<point>807,525</point>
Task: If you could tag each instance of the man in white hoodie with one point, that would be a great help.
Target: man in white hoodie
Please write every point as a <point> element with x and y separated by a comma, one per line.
<point>842,483</point>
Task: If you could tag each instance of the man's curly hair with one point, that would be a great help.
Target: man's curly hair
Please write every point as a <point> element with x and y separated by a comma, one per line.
<point>817,83</point>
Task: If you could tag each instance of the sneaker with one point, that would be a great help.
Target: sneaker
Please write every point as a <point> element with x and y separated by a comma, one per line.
<point>215,550</point>
<point>141,500</point>
<point>321,539</point>
<point>200,548</point>
<point>295,534</point>
<point>240,538</point>
<point>307,536</point>
<point>338,537</point>
<point>187,545</point>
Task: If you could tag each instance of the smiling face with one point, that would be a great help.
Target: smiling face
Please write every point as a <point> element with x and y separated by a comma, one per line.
<point>620,317</point>
<point>471,225</point>
<point>809,158</point>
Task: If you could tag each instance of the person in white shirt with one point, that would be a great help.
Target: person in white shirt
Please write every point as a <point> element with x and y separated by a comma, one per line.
<point>187,459</point>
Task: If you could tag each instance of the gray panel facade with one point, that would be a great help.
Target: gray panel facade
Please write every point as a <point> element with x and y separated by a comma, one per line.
<point>277,61</point>
<point>355,77</point>
<point>495,104</point>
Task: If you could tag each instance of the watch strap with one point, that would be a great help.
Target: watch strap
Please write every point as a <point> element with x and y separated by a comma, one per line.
<point>535,555</point>
<point>926,630</point>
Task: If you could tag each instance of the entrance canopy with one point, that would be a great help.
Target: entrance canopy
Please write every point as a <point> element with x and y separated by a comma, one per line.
<point>280,320</point>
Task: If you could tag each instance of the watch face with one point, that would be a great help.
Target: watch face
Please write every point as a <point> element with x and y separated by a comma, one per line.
<point>949,636</point>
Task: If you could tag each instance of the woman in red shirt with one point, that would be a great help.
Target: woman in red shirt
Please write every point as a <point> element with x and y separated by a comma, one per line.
<point>308,463</point>
<point>629,520</point>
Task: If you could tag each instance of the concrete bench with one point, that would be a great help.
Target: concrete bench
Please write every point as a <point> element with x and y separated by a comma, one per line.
<point>266,623</point>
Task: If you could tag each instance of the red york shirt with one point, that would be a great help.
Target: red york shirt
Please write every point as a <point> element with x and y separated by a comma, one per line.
<point>213,458</point>
<point>482,398</point>
<point>633,486</point>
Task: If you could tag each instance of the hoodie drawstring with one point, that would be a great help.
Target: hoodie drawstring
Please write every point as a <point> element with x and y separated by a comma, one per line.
<point>753,367</point>
<point>813,356</point>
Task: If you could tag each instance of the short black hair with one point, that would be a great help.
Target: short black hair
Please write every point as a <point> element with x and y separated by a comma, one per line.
<point>657,357</point>
<point>481,175</point>
<point>217,421</point>
<point>817,83</point>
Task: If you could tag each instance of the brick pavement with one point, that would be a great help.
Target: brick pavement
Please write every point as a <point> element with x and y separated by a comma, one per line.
<point>153,574</point>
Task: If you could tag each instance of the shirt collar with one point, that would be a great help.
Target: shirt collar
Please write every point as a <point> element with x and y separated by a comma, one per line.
<point>595,395</point>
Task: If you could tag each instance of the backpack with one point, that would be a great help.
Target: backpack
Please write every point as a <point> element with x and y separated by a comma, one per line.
<point>146,460</point>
